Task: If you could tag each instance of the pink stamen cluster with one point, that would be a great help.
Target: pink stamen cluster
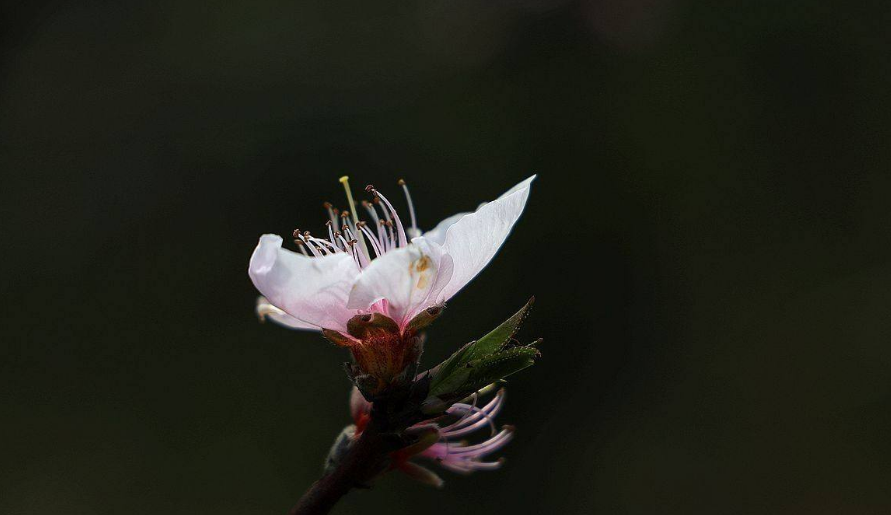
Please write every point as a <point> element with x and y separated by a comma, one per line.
<point>355,237</point>
<point>460,457</point>
<point>448,448</point>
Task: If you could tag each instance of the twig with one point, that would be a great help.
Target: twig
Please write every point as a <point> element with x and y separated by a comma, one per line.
<point>365,459</point>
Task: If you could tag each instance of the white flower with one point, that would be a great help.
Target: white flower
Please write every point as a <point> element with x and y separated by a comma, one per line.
<point>377,265</point>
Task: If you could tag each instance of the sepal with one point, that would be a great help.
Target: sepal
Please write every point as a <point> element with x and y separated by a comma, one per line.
<point>481,363</point>
<point>385,358</point>
<point>424,318</point>
<point>337,338</point>
<point>364,327</point>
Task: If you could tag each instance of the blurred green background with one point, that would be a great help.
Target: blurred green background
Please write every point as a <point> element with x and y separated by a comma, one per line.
<point>708,242</point>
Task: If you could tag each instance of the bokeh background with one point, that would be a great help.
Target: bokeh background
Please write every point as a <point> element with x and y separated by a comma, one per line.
<point>708,242</point>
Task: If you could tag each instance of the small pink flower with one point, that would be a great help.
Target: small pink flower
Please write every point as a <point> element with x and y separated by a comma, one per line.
<point>441,440</point>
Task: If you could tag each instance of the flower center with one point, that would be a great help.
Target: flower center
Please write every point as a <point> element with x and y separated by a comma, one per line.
<point>364,241</point>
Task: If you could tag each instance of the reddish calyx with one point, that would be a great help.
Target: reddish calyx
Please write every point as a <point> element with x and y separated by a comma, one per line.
<point>381,349</point>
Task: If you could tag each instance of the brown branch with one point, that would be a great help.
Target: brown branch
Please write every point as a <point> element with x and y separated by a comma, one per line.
<point>365,460</point>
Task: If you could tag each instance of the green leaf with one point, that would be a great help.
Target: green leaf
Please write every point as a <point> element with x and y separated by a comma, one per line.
<point>486,345</point>
<point>482,362</point>
<point>501,335</point>
<point>496,367</point>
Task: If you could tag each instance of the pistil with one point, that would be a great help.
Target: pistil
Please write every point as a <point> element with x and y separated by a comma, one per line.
<point>345,180</point>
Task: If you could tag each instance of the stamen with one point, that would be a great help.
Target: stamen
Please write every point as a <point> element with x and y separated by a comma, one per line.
<point>413,231</point>
<point>400,231</point>
<point>377,200</point>
<point>468,424</point>
<point>473,417</point>
<point>488,465</point>
<point>331,234</point>
<point>324,245</point>
<point>371,238</point>
<point>492,444</point>
<point>371,211</point>
<point>312,248</point>
<point>387,223</point>
<point>377,222</point>
<point>458,466</point>
<point>391,235</point>
<point>299,241</point>
<point>307,241</point>
<point>472,427</point>
<point>348,232</point>
<point>343,241</point>
<point>331,212</point>
<point>358,255</point>
<point>356,234</point>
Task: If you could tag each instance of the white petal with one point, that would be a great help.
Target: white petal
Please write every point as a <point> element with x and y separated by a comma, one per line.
<point>525,184</point>
<point>438,233</point>
<point>473,240</point>
<point>266,310</point>
<point>312,290</point>
<point>404,277</point>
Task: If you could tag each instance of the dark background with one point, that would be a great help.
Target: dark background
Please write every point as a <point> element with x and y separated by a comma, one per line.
<point>708,241</point>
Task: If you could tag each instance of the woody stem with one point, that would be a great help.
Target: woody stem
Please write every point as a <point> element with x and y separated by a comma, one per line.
<point>364,460</point>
